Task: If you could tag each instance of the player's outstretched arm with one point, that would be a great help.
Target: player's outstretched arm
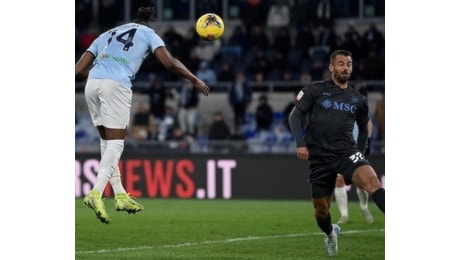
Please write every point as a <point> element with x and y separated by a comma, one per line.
<point>174,65</point>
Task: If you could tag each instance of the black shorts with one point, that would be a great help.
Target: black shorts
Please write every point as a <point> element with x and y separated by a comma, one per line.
<point>325,166</point>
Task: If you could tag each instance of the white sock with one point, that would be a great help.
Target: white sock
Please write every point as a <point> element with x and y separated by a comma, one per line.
<point>363,197</point>
<point>109,162</point>
<point>342,200</point>
<point>115,180</point>
<point>103,146</point>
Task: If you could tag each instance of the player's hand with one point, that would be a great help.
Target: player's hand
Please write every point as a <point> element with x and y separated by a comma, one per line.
<point>302,153</point>
<point>201,86</point>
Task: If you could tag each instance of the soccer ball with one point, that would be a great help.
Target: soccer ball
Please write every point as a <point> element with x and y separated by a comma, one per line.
<point>210,27</point>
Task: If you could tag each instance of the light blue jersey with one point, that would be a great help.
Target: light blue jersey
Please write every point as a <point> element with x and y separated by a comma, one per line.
<point>120,52</point>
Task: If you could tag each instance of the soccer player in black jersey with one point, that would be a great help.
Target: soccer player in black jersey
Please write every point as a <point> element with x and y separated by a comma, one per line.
<point>333,107</point>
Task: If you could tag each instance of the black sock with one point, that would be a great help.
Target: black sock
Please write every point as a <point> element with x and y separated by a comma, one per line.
<point>379,198</point>
<point>325,224</point>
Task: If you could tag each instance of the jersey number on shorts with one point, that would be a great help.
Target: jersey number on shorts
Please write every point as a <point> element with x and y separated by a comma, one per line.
<point>126,40</point>
<point>356,157</point>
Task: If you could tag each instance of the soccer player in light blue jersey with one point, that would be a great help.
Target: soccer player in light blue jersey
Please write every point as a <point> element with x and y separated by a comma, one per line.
<point>109,65</point>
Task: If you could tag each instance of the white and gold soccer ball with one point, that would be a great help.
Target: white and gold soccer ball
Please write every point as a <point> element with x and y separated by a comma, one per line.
<point>210,27</point>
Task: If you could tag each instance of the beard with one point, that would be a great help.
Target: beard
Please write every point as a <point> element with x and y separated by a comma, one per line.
<point>342,78</point>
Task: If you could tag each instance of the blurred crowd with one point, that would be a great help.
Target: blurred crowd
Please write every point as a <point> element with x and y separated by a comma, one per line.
<point>275,41</point>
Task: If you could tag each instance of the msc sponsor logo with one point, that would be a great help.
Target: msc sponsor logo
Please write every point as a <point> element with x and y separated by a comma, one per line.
<point>342,106</point>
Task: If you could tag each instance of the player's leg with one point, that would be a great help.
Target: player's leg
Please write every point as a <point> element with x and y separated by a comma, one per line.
<point>110,156</point>
<point>322,215</point>
<point>341,198</point>
<point>115,106</point>
<point>365,178</point>
<point>93,200</point>
<point>114,146</point>
<point>321,198</point>
<point>363,197</point>
<point>123,201</point>
<point>115,180</point>
<point>118,119</point>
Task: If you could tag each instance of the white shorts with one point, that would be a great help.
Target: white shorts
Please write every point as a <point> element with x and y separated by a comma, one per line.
<point>109,103</point>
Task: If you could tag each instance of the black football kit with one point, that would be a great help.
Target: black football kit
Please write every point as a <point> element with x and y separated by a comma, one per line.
<point>331,113</point>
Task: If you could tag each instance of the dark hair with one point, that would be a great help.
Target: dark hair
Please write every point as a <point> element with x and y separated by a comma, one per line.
<point>339,52</point>
<point>146,11</point>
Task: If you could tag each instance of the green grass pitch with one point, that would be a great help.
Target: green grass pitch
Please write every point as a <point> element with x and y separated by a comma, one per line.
<point>223,229</point>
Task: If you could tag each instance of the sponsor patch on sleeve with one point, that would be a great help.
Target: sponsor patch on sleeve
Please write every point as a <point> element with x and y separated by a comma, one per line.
<point>299,96</point>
